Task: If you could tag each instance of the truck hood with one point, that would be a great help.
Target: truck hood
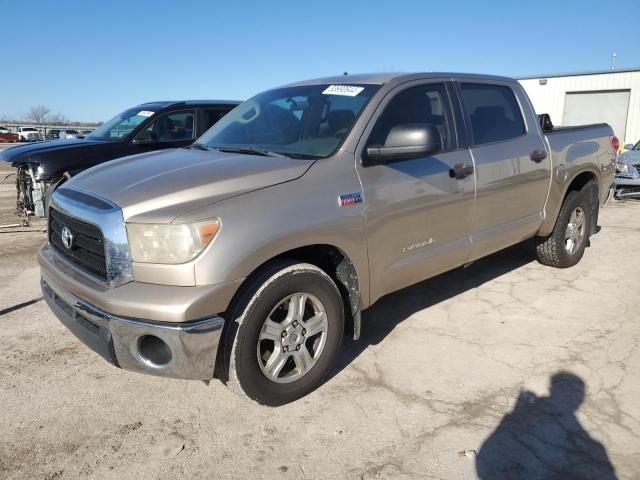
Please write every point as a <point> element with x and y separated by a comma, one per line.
<point>157,187</point>
<point>23,153</point>
<point>48,153</point>
<point>630,157</point>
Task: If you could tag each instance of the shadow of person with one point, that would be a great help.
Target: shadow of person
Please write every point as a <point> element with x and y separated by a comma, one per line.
<point>542,439</point>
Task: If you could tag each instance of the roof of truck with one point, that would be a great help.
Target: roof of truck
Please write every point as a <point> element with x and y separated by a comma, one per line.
<point>169,103</point>
<point>382,78</point>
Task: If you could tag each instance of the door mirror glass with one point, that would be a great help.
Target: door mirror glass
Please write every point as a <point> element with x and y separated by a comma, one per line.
<point>628,146</point>
<point>405,142</point>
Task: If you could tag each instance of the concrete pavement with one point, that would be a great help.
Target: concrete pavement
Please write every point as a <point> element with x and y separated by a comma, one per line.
<point>450,379</point>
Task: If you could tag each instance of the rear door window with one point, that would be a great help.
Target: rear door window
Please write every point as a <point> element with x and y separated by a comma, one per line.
<point>174,126</point>
<point>493,112</point>
<point>211,117</point>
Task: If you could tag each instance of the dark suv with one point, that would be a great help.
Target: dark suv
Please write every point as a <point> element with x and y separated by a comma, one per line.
<point>151,126</point>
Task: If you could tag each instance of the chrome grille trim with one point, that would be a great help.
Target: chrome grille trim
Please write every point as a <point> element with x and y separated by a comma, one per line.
<point>111,224</point>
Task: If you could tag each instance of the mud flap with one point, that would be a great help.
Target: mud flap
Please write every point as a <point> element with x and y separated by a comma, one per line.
<point>595,207</point>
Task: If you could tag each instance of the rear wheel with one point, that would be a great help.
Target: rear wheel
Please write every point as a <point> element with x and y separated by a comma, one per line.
<point>565,246</point>
<point>284,333</point>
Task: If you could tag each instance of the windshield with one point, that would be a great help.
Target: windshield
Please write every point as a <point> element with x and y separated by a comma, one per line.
<point>121,125</point>
<point>300,122</point>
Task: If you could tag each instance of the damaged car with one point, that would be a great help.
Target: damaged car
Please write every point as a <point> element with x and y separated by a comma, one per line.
<point>626,183</point>
<point>42,167</point>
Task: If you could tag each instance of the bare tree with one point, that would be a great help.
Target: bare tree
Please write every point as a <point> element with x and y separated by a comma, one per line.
<point>38,114</point>
<point>57,119</point>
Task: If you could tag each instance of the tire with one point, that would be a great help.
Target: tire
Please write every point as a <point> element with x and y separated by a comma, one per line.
<point>557,250</point>
<point>254,342</point>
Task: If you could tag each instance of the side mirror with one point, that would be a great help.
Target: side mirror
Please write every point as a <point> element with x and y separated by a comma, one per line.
<point>629,146</point>
<point>545,122</point>
<point>405,142</point>
<point>145,138</point>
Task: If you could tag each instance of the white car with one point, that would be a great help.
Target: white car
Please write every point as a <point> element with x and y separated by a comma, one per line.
<point>29,134</point>
<point>69,133</point>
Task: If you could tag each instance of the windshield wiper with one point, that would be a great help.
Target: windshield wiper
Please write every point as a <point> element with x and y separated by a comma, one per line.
<point>251,151</point>
<point>304,156</point>
<point>200,146</point>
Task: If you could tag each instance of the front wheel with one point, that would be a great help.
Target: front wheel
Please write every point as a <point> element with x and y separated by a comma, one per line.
<point>284,333</point>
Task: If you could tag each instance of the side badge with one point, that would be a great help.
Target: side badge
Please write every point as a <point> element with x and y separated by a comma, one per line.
<point>349,199</point>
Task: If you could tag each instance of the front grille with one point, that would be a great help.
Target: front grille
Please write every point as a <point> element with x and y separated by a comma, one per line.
<point>87,247</point>
<point>637,167</point>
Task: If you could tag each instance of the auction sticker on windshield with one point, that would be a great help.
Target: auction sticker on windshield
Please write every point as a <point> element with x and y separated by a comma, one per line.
<point>346,90</point>
<point>145,113</point>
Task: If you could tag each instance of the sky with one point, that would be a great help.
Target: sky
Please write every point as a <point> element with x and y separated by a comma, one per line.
<point>88,60</point>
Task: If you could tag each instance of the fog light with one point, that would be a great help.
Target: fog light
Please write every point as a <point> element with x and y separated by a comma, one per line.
<point>154,351</point>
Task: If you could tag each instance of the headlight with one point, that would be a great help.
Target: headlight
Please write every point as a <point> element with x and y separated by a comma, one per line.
<point>622,168</point>
<point>171,243</point>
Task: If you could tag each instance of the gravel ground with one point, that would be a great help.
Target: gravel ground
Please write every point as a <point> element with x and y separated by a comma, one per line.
<point>451,377</point>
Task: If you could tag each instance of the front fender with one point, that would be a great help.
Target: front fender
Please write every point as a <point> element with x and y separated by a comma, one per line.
<point>261,225</point>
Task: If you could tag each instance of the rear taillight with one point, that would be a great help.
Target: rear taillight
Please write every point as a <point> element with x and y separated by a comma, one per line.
<point>615,143</point>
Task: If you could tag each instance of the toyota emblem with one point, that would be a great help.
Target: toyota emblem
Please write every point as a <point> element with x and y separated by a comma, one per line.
<point>67,238</point>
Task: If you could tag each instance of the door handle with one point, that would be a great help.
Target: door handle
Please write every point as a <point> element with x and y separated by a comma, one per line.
<point>460,171</point>
<point>538,155</point>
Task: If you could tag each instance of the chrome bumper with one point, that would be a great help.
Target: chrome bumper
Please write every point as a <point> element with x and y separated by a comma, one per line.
<point>177,350</point>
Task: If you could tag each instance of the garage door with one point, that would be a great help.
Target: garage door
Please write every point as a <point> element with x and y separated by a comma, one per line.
<point>611,107</point>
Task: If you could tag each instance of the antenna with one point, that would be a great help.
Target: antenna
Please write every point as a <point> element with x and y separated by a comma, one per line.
<point>613,61</point>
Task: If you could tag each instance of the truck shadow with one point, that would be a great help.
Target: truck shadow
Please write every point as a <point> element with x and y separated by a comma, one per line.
<point>379,320</point>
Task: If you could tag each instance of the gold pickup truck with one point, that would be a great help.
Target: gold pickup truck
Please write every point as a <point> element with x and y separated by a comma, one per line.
<point>249,255</point>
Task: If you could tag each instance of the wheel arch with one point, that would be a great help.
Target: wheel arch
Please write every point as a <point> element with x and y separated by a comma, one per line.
<point>334,262</point>
<point>580,180</point>
<point>555,199</point>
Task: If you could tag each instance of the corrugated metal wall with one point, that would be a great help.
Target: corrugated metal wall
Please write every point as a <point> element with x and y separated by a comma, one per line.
<point>550,98</point>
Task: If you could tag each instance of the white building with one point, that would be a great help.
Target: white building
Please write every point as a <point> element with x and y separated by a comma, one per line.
<point>592,97</point>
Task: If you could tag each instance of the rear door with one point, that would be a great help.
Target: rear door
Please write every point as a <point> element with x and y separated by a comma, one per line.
<point>511,165</point>
<point>417,213</point>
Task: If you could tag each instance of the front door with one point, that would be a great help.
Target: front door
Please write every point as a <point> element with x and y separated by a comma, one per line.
<point>417,211</point>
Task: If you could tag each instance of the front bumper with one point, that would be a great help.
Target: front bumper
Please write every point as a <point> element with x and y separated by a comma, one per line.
<point>620,181</point>
<point>153,302</point>
<point>178,350</point>
<point>626,186</point>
